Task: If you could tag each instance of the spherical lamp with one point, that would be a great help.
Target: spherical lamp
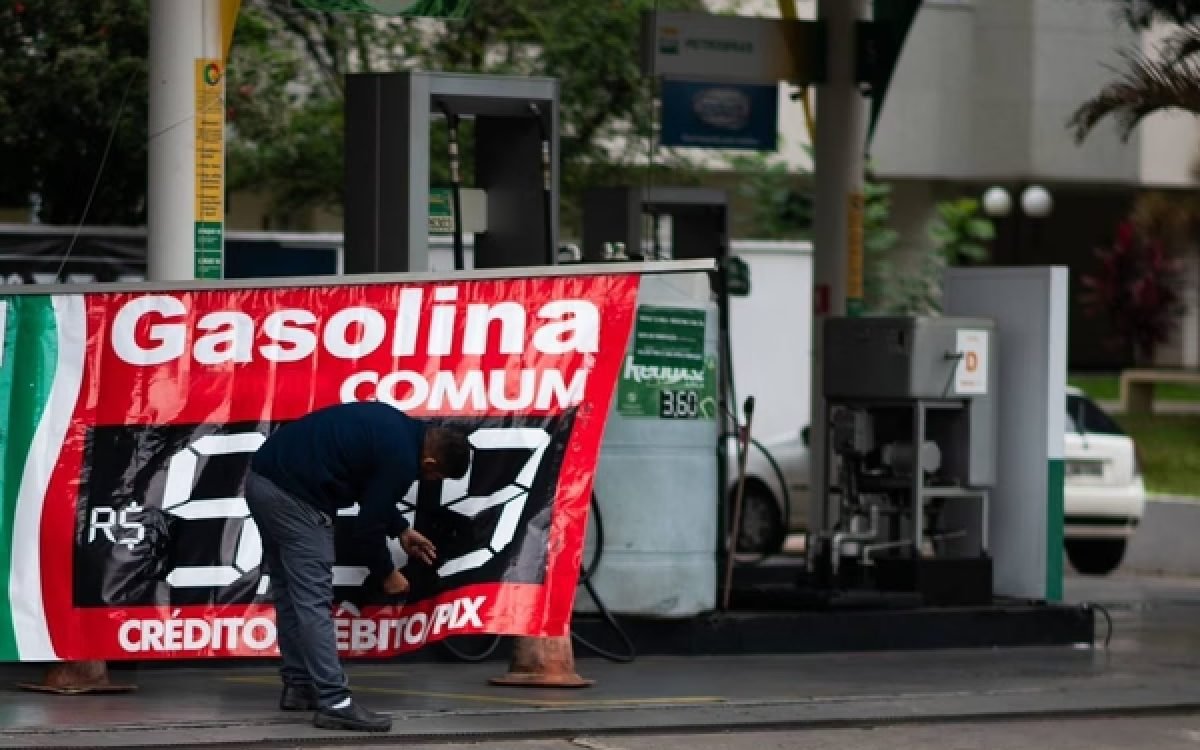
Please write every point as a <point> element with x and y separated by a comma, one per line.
<point>997,202</point>
<point>1037,202</point>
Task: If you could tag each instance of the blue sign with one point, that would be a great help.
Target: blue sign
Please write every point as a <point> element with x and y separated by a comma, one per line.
<point>720,115</point>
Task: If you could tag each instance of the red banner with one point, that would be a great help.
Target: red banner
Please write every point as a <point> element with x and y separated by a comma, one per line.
<point>147,548</point>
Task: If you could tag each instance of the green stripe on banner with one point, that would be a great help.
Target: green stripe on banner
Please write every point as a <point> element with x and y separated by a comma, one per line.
<point>1056,477</point>
<point>30,352</point>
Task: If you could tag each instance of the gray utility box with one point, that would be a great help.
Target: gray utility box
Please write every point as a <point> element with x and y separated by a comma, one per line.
<point>902,358</point>
<point>942,362</point>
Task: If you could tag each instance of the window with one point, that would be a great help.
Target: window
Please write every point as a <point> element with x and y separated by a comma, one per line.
<point>1084,416</point>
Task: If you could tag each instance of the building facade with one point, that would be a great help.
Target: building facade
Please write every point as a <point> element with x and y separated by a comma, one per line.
<point>981,97</point>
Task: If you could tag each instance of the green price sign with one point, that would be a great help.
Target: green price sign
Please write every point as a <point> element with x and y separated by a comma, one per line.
<point>403,8</point>
<point>441,211</point>
<point>209,254</point>
<point>668,375</point>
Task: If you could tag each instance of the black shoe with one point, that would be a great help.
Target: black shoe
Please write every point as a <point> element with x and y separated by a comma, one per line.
<point>354,718</point>
<point>298,698</point>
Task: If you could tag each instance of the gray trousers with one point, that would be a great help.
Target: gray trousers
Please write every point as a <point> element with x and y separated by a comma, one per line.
<point>298,549</point>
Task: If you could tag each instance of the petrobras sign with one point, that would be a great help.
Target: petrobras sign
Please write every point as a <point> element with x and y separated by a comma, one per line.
<point>727,48</point>
<point>720,115</point>
<point>129,418</point>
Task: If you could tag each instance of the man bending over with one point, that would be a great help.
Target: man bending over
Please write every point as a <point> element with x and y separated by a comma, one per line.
<point>367,453</point>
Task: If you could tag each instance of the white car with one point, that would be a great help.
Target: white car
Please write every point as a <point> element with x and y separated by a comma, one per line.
<point>1105,496</point>
<point>1104,493</point>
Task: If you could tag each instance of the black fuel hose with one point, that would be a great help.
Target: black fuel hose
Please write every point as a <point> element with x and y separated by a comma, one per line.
<point>787,497</point>
<point>585,579</point>
<point>551,252</point>
<point>460,261</point>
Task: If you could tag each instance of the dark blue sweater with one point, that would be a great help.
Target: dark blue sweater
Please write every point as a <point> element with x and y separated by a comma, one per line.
<point>365,452</point>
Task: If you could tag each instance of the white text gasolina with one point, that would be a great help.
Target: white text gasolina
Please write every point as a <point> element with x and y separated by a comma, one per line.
<point>156,329</point>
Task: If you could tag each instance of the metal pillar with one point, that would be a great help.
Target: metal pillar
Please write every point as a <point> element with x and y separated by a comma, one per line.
<point>181,31</point>
<point>838,174</point>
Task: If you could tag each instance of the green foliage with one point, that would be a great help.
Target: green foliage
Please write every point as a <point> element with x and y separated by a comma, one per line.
<point>439,8</point>
<point>959,233</point>
<point>1107,387</point>
<point>1166,445</point>
<point>783,209</point>
<point>879,242</point>
<point>1146,85</point>
<point>286,86</point>
<point>1168,79</point>
<point>879,237</point>
<point>285,96</point>
<point>912,285</point>
<point>892,285</point>
<point>67,67</point>
<point>780,205</point>
<point>68,63</point>
<point>1140,14</point>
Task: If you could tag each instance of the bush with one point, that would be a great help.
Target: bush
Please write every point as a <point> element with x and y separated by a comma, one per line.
<point>1137,288</point>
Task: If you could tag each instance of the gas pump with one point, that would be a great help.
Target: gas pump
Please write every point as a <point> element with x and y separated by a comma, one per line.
<point>656,560</point>
<point>911,511</point>
<point>513,210</point>
<point>662,466</point>
<point>911,462</point>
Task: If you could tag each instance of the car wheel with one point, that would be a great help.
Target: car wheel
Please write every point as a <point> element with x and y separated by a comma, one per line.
<point>1095,557</point>
<point>761,532</point>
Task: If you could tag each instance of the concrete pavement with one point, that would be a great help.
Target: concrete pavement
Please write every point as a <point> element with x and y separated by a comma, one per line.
<point>1165,541</point>
<point>1160,733</point>
<point>1150,667</point>
<point>207,709</point>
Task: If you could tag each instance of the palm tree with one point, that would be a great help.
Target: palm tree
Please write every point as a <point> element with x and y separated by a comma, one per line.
<point>1169,80</point>
<point>1142,13</point>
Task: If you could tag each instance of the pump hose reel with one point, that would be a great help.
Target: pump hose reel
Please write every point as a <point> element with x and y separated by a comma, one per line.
<point>547,188</point>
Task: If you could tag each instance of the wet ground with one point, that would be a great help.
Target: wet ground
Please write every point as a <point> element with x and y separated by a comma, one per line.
<point>1149,667</point>
<point>1159,732</point>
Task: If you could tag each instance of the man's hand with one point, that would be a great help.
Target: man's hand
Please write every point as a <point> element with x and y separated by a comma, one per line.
<point>416,545</point>
<point>395,584</point>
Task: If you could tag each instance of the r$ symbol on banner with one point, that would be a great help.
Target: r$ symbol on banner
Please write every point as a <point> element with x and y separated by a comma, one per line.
<point>117,527</point>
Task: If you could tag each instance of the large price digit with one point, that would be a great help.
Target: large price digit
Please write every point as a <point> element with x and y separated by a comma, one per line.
<point>178,501</point>
<point>690,401</point>
<point>354,575</point>
<point>456,493</point>
<point>679,404</point>
<point>181,478</point>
